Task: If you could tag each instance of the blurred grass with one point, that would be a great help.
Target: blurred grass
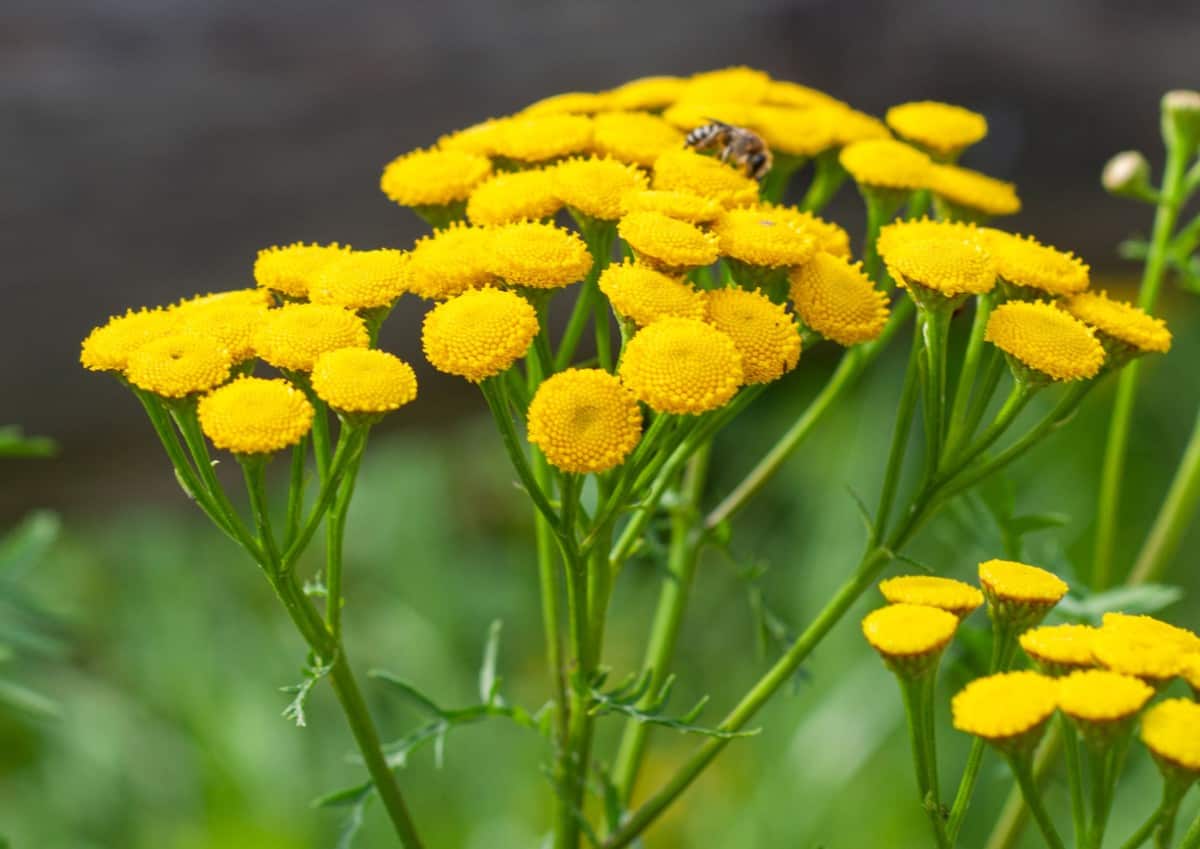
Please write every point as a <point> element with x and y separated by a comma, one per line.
<point>170,734</point>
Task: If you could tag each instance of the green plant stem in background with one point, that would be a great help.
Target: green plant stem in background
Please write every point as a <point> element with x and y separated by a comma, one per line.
<point>1161,824</point>
<point>599,236</point>
<point>775,183</point>
<point>956,431</point>
<point>1113,468</point>
<point>900,434</point>
<point>1070,737</point>
<point>1191,840</point>
<point>335,534</point>
<point>918,707</point>
<point>828,176</point>
<point>1023,772</point>
<point>934,328</point>
<point>1174,517</point>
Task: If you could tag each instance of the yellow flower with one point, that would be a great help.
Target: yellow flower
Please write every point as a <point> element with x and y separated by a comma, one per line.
<point>361,280</point>
<point>1098,696</point>
<point>909,637</point>
<point>634,137</point>
<point>648,93</point>
<point>1153,629</point>
<point>940,127</point>
<point>891,236</point>
<point>481,139</point>
<point>1171,731</point>
<point>595,186</point>
<point>1005,709</point>
<point>760,238</point>
<point>1045,339</point>
<point>836,299</point>
<point>252,415</point>
<point>362,380</point>
<point>689,114</point>
<point>479,333</point>
<point>108,347</point>
<point>433,177</point>
<point>1191,673</point>
<point>569,102</point>
<point>539,138</point>
<point>829,236</point>
<point>787,93</point>
<point>948,267</point>
<point>537,255</point>
<point>801,132</point>
<point>688,171</point>
<point>231,321</point>
<point>1022,261</point>
<point>451,261</point>
<point>291,269</point>
<point>1008,580</point>
<point>739,84</point>
<point>974,191</point>
<point>930,591</point>
<point>763,332</point>
<point>644,295</point>
<point>887,164</point>
<point>850,125</point>
<point>514,196</point>
<point>681,365</point>
<point>1059,649</point>
<point>1144,646</point>
<point>674,204</point>
<point>1120,321</point>
<point>179,365</point>
<point>668,242</point>
<point>293,336</point>
<point>230,297</point>
<point>584,421</point>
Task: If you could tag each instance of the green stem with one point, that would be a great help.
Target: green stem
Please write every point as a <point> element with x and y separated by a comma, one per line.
<point>1191,840</point>
<point>900,433</point>
<point>994,368</point>
<point>588,303</point>
<point>350,445</point>
<point>881,208</point>
<point>1074,780</point>
<point>1014,813</point>
<point>970,369</point>
<point>1023,772</point>
<point>1161,824</point>
<point>1018,397</point>
<point>335,534</point>
<point>571,767</point>
<point>254,470</point>
<point>916,706</point>
<point>934,328</point>
<point>1174,517</point>
<point>295,505</point>
<point>495,393</point>
<point>828,176</point>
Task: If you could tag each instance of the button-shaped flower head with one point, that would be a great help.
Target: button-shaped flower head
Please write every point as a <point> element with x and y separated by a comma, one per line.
<point>1008,710</point>
<point>293,336</point>
<point>1044,343</point>
<point>253,415</point>
<point>644,295</point>
<point>836,299</point>
<point>363,381</point>
<point>764,332</point>
<point>479,333</point>
<point>433,177</point>
<point>945,594</point>
<point>584,421</point>
<point>681,365</point>
<point>179,365</point>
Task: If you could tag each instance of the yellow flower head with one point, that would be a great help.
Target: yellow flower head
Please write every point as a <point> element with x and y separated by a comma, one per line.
<point>668,242</point>
<point>1045,339</point>
<point>179,365</point>
<point>836,299</point>
<point>538,255</point>
<point>1171,731</point>
<point>910,637</point>
<point>481,139</point>
<point>569,102</point>
<point>939,127</point>
<point>108,347</point>
<point>230,297</point>
<point>1059,649</point>
<point>892,236</point>
<point>674,204</point>
<point>451,261</point>
<point>887,164</point>
<point>433,177</point>
<point>1121,321</point>
<point>829,237</point>
<point>595,186</point>
<point>479,333</point>
<point>1191,672</point>
<point>363,380</point>
<point>948,267</point>
<point>1007,580</point>
<point>689,114</point>
<point>1008,709</point>
<point>540,138</point>
<point>634,137</point>
<point>648,93</point>
<point>681,365</point>
<point>584,421</point>
<point>293,336</point>
<point>644,295</point>
<point>760,238</point>
<point>800,132</point>
<point>253,415</point>
<point>362,280</point>
<point>1098,696</point>
<point>688,171</point>
<point>291,269</point>
<point>1143,646</point>
<point>739,84</point>
<point>931,591</point>
<point>973,191</point>
<point>764,333</point>
<point>231,321</point>
<point>1023,262</point>
<point>514,196</point>
<point>1153,629</point>
<point>851,126</point>
<point>787,93</point>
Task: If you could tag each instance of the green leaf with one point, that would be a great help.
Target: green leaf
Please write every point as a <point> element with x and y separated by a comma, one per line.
<point>21,698</point>
<point>26,545</point>
<point>419,699</point>
<point>313,673</point>
<point>489,683</point>
<point>1133,249</point>
<point>345,796</point>
<point>15,444</point>
<point>1022,525</point>
<point>353,822</point>
<point>1145,598</point>
<point>629,702</point>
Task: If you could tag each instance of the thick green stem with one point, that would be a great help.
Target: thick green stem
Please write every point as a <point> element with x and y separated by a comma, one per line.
<point>966,378</point>
<point>934,328</point>
<point>917,707</point>
<point>900,433</point>
<point>254,470</point>
<point>828,176</point>
<point>295,504</point>
<point>1074,780</point>
<point>1023,772</point>
<point>1174,517</point>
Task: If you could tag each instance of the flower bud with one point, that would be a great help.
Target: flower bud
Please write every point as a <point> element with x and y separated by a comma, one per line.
<point>1128,175</point>
<point>1181,119</point>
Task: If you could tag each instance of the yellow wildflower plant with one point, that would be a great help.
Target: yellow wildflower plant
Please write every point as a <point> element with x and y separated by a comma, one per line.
<point>668,243</point>
<point>795,132</point>
<point>1046,341</point>
<point>850,126</point>
<point>971,193</point>
<point>537,255</point>
<point>1025,263</point>
<point>231,321</point>
<point>638,138</point>
<point>688,171</point>
<point>1101,702</point>
<point>109,346</point>
<point>479,333</point>
<point>569,102</point>
<point>1191,672</point>
<point>434,177</point>
<point>451,261</point>
<point>681,365</point>
<point>759,238</point>
<point>686,115</point>
<point>644,295</point>
<point>647,93</point>
<point>946,594</point>
<point>739,84</point>
<point>594,186</point>
<point>887,164</point>
<point>909,637</point>
<point>1120,323</point>
<point>764,332</point>
<point>1171,731</point>
<point>363,381</point>
<point>829,237</point>
<point>584,421</point>
<point>1155,629</point>
<point>232,297</point>
<point>941,128</point>
<point>1137,653</point>
<point>1060,649</point>
<point>362,280</point>
<point>253,415</point>
<point>1008,709</point>
<point>541,138</point>
<point>179,365</point>
<point>291,269</point>
<point>514,196</point>
<point>1018,595</point>
<point>836,299</point>
<point>481,139</point>
<point>891,236</point>
<point>685,206</point>
<point>796,95</point>
<point>293,336</point>
<point>946,268</point>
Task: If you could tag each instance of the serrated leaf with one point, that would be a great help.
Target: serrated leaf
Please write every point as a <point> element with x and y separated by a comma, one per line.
<point>343,797</point>
<point>1145,598</point>
<point>489,683</point>
<point>313,673</point>
<point>651,712</point>
<point>419,699</point>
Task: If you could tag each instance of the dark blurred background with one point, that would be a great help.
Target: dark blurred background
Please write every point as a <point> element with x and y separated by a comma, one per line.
<point>149,149</point>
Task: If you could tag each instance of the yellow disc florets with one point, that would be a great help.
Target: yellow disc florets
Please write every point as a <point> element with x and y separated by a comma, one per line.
<point>363,380</point>
<point>647,93</point>
<point>291,269</point>
<point>479,333</point>
<point>692,113</point>
<point>681,365</point>
<point>1023,261</point>
<point>1155,629</point>
<point>800,132</point>
<point>946,266</point>
<point>361,280</point>
<point>595,186</point>
<point>481,139</point>
<point>931,591</point>
<point>1008,580</point>
<point>1143,647</point>
<point>231,321</point>
<point>891,236</point>
<point>179,365</point>
<point>514,196</point>
<point>850,126</point>
<point>1171,731</point>
<point>668,242</point>
<point>836,299</point>
<point>252,415</point>
<point>450,262</point>
<point>635,137</point>
<point>905,631</point>
<point>293,336</point>
<point>886,164</point>
<point>787,93</point>
<point>1059,649</point>
<point>971,190</point>
<point>688,171</point>
<point>568,103</point>
<point>764,332</point>
<point>231,297</point>
<point>1046,339</point>
<point>674,204</point>
<point>108,347</point>
<point>1099,696</point>
<point>537,255</point>
<point>758,237</point>
<point>738,83</point>
<point>584,421</point>
<point>540,138</point>
<point>1006,707</point>
<point>644,295</point>
<point>1121,321</point>
<point>940,127</point>
<point>829,237</point>
<point>433,177</point>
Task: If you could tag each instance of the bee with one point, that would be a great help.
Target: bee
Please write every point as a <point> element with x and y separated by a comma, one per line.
<point>737,144</point>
